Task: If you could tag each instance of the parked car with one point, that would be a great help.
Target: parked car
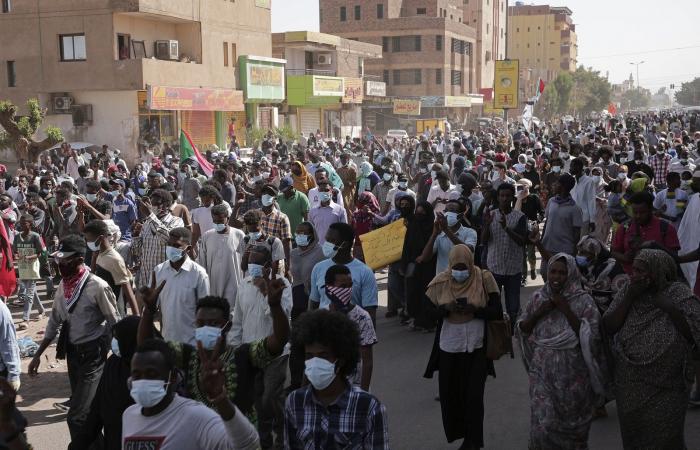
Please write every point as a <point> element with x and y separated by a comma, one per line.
<point>396,134</point>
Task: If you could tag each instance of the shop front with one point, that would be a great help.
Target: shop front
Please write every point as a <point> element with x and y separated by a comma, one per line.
<point>315,103</point>
<point>263,83</point>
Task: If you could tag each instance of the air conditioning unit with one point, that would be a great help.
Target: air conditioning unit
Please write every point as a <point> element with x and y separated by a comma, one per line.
<point>82,115</point>
<point>62,103</point>
<point>324,59</point>
<point>167,50</point>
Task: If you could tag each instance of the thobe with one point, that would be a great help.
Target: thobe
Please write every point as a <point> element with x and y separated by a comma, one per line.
<point>688,232</point>
<point>218,256</point>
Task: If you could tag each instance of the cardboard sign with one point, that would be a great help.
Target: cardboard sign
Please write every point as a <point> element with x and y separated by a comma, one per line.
<point>383,246</point>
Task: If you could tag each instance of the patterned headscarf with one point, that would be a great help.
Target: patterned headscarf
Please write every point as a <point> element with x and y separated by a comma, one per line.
<point>572,288</point>
<point>589,244</point>
<point>662,267</point>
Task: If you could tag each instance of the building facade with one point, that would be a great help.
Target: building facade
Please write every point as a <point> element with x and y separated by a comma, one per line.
<point>543,38</point>
<point>132,73</point>
<point>489,19</point>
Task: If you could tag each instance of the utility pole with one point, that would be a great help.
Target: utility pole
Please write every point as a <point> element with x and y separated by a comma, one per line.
<point>637,64</point>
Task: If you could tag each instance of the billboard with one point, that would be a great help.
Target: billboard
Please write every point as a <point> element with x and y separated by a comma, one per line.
<point>353,90</point>
<point>505,84</point>
<point>375,88</point>
<point>328,86</point>
<point>407,107</point>
<point>194,99</point>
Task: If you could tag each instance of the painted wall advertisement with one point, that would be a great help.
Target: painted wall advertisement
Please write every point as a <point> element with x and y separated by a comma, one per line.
<point>194,99</point>
<point>375,88</point>
<point>407,107</point>
<point>265,82</point>
<point>328,86</point>
<point>505,84</point>
<point>353,91</point>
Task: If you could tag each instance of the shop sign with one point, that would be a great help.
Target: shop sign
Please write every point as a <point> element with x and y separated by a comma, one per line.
<point>194,99</point>
<point>457,102</point>
<point>375,88</point>
<point>328,86</point>
<point>506,84</point>
<point>407,107</point>
<point>264,82</point>
<point>353,90</point>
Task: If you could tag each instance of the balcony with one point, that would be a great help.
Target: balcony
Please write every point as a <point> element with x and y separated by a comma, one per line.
<point>173,10</point>
<point>135,74</point>
<point>322,72</point>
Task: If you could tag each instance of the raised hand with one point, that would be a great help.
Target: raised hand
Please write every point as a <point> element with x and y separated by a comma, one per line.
<point>211,375</point>
<point>149,295</point>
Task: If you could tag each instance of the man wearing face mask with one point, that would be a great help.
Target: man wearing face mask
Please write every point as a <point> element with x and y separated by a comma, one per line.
<point>256,236</point>
<point>660,164</point>
<point>638,165</point>
<point>327,212</point>
<point>252,321</point>
<point>184,281</point>
<point>276,223</point>
<point>381,190</point>
<point>401,188</point>
<point>331,344</point>
<point>84,308</point>
<point>190,186</point>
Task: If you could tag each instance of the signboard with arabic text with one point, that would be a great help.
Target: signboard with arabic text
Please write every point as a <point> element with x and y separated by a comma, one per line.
<point>407,107</point>
<point>375,88</point>
<point>328,86</point>
<point>505,84</point>
<point>353,90</point>
<point>194,99</point>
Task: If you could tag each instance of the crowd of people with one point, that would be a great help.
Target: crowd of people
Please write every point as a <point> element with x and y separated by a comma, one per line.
<point>235,308</point>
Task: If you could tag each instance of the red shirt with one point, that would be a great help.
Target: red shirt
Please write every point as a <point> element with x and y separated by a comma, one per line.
<point>649,232</point>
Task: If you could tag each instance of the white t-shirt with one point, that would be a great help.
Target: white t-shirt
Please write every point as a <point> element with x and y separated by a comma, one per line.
<point>186,424</point>
<point>202,217</point>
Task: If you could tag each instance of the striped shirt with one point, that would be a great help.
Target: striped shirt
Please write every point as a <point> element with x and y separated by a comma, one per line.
<point>355,420</point>
<point>149,246</point>
<point>660,167</point>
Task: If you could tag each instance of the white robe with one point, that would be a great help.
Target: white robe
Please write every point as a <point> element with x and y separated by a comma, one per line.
<point>219,257</point>
<point>688,235</point>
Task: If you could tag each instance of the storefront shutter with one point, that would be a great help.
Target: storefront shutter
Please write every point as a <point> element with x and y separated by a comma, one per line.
<point>310,120</point>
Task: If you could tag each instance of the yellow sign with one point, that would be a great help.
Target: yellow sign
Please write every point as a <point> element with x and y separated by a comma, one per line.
<point>383,246</point>
<point>266,75</point>
<point>489,109</point>
<point>457,102</point>
<point>353,90</point>
<point>328,87</point>
<point>407,107</point>
<point>505,84</point>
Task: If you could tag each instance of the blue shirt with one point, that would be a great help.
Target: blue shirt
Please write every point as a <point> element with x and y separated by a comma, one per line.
<point>124,214</point>
<point>444,244</point>
<point>364,285</point>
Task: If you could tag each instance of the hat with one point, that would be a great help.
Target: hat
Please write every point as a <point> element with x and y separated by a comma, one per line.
<point>270,188</point>
<point>118,181</point>
<point>286,183</point>
<point>524,182</point>
<point>538,145</point>
<point>69,246</point>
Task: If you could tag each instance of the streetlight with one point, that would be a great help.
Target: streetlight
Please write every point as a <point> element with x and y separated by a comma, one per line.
<point>637,64</point>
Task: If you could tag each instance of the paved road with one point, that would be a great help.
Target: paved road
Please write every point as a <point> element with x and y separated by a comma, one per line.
<point>414,415</point>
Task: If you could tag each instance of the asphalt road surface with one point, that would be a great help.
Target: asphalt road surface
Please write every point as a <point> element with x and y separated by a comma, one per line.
<point>400,358</point>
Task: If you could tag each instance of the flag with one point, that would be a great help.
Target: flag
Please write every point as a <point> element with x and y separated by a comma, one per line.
<point>527,116</point>
<point>189,151</point>
<point>540,88</point>
<point>612,108</point>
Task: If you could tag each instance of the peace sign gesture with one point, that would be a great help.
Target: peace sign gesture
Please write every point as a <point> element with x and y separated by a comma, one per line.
<point>149,295</point>
<point>211,374</point>
<point>273,288</point>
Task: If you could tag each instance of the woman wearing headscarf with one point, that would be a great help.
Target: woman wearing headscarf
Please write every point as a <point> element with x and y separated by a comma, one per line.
<point>303,181</point>
<point>464,297</point>
<point>112,396</point>
<point>363,217</point>
<point>602,276</point>
<point>8,280</point>
<point>655,322</point>
<point>562,352</point>
<point>367,179</point>
<point>419,221</point>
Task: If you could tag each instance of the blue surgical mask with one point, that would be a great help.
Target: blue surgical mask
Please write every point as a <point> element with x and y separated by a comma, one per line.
<point>460,276</point>
<point>267,200</point>
<point>173,254</point>
<point>254,235</point>
<point>582,261</point>
<point>320,372</point>
<point>207,336</point>
<point>91,197</point>
<point>452,218</point>
<point>219,227</point>
<point>329,250</point>
<point>324,197</point>
<point>114,194</point>
<point>556,169</point>
<point>148,393</point>
<point>302,240</point>
<point>255,270</point>
<point>115,347</point>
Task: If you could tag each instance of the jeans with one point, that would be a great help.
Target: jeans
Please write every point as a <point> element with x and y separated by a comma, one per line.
<point>510,285</point>
<point>85,364</point>
<point>269,402</point>
<point>27,292</point>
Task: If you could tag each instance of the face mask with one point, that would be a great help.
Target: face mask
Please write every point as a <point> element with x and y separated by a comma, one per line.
<point>556,169</point>
<point>433,174</point>
<point>324,197</point>
<point>148,393</point>
<point>93,246</point>
<point>45,191</point>
<point>388,177</point>
<point>91,197</point>
<point>320,372</point>
<point>339,296</point>
<point>173,254</point>
<point>452,218</point>
<point>596,179</point>
<point>329,250</point>
<point>141,191</point>
<point>622,175</point>
<point>115,347</point>
<point>267,200</point>
<point>207,336</point>
<point>219,227</point>
<point>302,240</point>
<point>423,170</point>
<point>255,270</point>
<point>623,160</point>
<point>582,261</point>
<point>254,235</point>
<point>403,185</point>
<point>366,171</point>
<point>460,276</point>
<point>114,194</point>
<point>265,175</point>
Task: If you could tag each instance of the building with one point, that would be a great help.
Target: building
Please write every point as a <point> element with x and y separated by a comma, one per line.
<point>325,81</point>
<point>131,73</point>
<point>489,19</point>
<point>428,62</point>
<point>543,38</point>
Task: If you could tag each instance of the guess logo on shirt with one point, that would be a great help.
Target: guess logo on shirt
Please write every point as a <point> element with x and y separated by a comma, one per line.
<point>143,442</point>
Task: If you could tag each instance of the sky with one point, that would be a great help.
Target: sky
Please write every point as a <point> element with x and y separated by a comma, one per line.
<point>611,35</point>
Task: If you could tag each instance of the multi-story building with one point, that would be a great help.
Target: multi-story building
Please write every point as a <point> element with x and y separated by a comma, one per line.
<point>489,19</point>
<point>543,39</point>
<point>129,73</point>
<point>428,54</point>
<point>325,81</point>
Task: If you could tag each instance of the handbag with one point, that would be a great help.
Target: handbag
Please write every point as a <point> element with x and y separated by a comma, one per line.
<point>499,339</point>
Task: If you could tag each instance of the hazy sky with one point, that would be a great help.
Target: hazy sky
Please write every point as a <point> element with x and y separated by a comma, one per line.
<point>611,34</point>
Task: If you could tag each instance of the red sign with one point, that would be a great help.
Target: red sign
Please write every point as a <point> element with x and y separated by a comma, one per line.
<point>487,93</point>
<point>194,99</point>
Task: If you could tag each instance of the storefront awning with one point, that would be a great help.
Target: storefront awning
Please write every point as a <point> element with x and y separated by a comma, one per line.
<point>194,99</point>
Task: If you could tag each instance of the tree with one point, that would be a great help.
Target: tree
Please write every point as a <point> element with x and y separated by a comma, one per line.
<point>19,131</point>
<point>689,94</point>
<point>582,91</point>
<point>635,98</point>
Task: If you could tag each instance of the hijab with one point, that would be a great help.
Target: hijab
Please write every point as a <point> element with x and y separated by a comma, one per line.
<point>418,231</point>
<point>363,220</point>
<point>303,182</point>
<point>572,288</point>
<point>364,183</point>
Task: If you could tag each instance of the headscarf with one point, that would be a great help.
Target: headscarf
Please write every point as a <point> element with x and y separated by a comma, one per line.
<point>661,266</point>
<point>363,220</point>
<point>364,183</point>
<point>603,276</point>
<point>303,182</point>
<point>125,331</point>
<point>444,290</point>
<point>572,287</point>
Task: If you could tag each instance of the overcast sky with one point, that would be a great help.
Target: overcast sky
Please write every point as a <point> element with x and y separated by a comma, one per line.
<point>611,34</point>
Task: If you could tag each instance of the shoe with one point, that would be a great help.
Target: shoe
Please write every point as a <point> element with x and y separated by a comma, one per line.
<point>533,274</point>
<point>65,406</point>
<point>523,282</point>
<point>22,326</point>
<point>695,397</point>
<point>405,320</point>
<point>390,314</point>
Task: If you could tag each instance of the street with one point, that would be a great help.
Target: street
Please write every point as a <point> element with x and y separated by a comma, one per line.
<point>400,358</point>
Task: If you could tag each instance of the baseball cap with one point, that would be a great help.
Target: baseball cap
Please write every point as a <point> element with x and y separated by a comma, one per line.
<point>69,246</point>
<point>286,183</point>
<point>117,181</point>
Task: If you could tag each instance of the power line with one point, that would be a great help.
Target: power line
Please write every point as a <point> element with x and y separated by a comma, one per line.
<point>640,53</point>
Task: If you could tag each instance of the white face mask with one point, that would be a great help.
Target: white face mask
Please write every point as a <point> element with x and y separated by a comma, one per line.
<point>403,185</point>
<point>94,246</point>
<point>320,372</point>
<point>622,175</point>
<point>219,227</point>
<point>460,276</point>
<point>556,169</point>
<point>267,200</point>
<point>302,240</point>
<point>115,347</point>
<point>148,393</point>
<point>91,197</point>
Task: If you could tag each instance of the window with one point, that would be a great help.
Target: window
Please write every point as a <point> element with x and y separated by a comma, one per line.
<point>72,47</point>
<point>438,76</point>
<point>385,76</point>
<point>385,44</point>
<point>438,42</point>
<point>234,54</point>
<point>417,76</point>
<point>418,44</point>
<point>396,44</point>
<point>6,6</point>
<point>361,66</point>
<point>397,77</point>
<point>225,54</point>
<point>380,10</point>
<point>11,75</point>
<point>420,11</point>
<point>123,46</point>
<point>358,14</point>
<point>461,47</point>
<point>407,76</point>
<point>456,78</point>
<point>343,14</point>
<point>487,28</point>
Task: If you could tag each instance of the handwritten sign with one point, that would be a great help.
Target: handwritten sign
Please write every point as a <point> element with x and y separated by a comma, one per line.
<point>407,107</point>
<point>383,246</point>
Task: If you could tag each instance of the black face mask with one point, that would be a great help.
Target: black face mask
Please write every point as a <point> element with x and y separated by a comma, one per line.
<point>406,211</point>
